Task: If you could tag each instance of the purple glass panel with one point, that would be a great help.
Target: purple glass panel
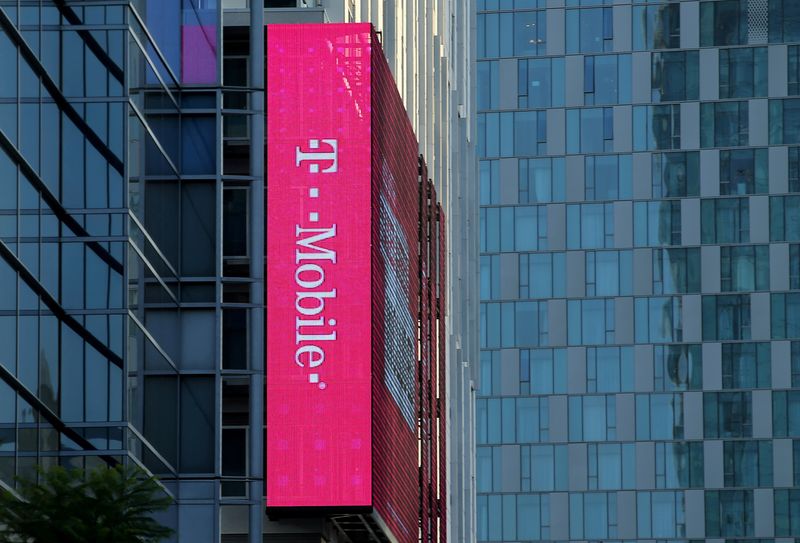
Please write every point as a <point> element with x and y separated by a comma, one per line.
<point>199,42</point>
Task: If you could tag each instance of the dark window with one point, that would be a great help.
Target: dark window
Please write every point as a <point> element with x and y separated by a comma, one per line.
<point>675,76</point>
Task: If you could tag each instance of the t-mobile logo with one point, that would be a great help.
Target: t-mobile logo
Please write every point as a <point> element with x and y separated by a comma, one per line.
<point>315,156</point>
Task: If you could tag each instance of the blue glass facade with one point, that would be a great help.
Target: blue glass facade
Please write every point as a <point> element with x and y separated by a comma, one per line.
<point>638,266</point>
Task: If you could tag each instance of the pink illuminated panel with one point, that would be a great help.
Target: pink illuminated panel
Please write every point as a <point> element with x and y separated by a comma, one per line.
<point>319,376</point>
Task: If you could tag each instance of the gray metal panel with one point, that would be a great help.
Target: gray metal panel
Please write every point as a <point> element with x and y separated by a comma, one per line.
<point>507,68</point>
<point>712,366</point>
<point>709,172</point>
<point>760,316</point>
<point>576,370</point>
<point>779,266</point>
<point>555,40</point>
<point>778,169</point>
<point>573,72</point>
<point>758,113</point>
<point>556,132</point>
<point>714,475</point>
<point>558,418</point>
<point>622,20</point>
<point>778,76</point>
<point>623,220</point>
<point>709,74</point>
<point>690,221</point>
<point>691,318</point>
<point>643,363</point>
<point>626,417</point>
<point>626,515</point>
<point>556,227</point>
<point>782,463</point>
<point>510,460</point>
<point>575,171</point>
<point>623,315</point>
<point>623,118</point>
<point>509,181</point>
<point>764,509</point>
<point>762,414</point>
<point>577,466</point>
<point>576,274</point>
<point>695,513</point>
<point>759,226</point>
<point>709,268</point>
<point>557,315</point>
<point>692,422</point>
<point>642,78</point>
<point>642,176</point>
<point>643,276</point>
<point>559,516</point>
<point>690,125</point>
<point>690,25</point>
<point>509,372</point>
<point>781,364</point>
<point>509,276</point>
<point>645,465</point>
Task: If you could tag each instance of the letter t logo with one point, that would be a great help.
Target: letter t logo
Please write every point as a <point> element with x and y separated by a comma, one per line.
<point>315,156</point>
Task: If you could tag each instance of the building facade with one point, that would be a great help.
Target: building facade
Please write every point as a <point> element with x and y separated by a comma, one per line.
<point>132,212</point>
<point>639,267</point>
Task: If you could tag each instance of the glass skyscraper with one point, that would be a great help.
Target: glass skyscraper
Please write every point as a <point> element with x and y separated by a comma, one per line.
<point>132,240</point>
<point>640,260</point>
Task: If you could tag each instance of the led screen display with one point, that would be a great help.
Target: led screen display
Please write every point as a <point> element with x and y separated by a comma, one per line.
<point>319,262</point>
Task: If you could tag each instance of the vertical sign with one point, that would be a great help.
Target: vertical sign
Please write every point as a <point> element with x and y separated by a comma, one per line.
<point>319,376</point>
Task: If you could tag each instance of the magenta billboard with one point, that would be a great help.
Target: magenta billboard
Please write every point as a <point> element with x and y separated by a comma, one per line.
<point>319,261</point>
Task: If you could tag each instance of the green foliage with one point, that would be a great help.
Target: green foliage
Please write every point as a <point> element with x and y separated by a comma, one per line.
<point>69,506</point>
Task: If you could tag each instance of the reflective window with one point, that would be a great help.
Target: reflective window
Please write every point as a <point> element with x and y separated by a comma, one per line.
<point>611,466</point>
<point>784,21</point>
<point>657,223</point>
<point>519,228</point>
<point>607,79</point>
<point>794,70</point>
<point>744,268</point>
<point>787,512</point>
<point>658,320</point>
<point>674,76</point>
<point>591,322</point>
<point>543,371</point>
<point>676,271</point>
<point>590,130</point>
<point>541,275</point>
<point>729,513</point>
<point>541,180</point>
<point>724,124</point>
<point>727,414</point>
<point>656,27</point>
<point>676,174</point>
<point>743,72</point>
<point>489,182</point>
<point>512,34</point>
<point>590,226</point>
<point>513,324</point>
<point>784,121</point>
<point>746,365</point>
<point>747,463</point>
<point>592,418</point>
<point>723,22</point>
<point>512,420</point>
<point>543,468</point>
<point>488,84</point>
<point>540,82</point>
<point>609,369</point>
<point>725,220</point>
<point>659,416</point>
<point>786,413</point>
<point>656,127</point>
<point>518,133</point>
<point>679,464</point>
<point>609,273</point>
<point>513,516</point>
<point>743,171</point>
<point>593,515</point>
<point>784,218</point>
<point>660,514</point>
<point>590,30</point>
<point>794,266</point>
<point>794,169</point>
<point>490,277</point>
<point>677,367</point>
<point>607,177</point>
<point>785,315</point>
<point>726,317</point>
